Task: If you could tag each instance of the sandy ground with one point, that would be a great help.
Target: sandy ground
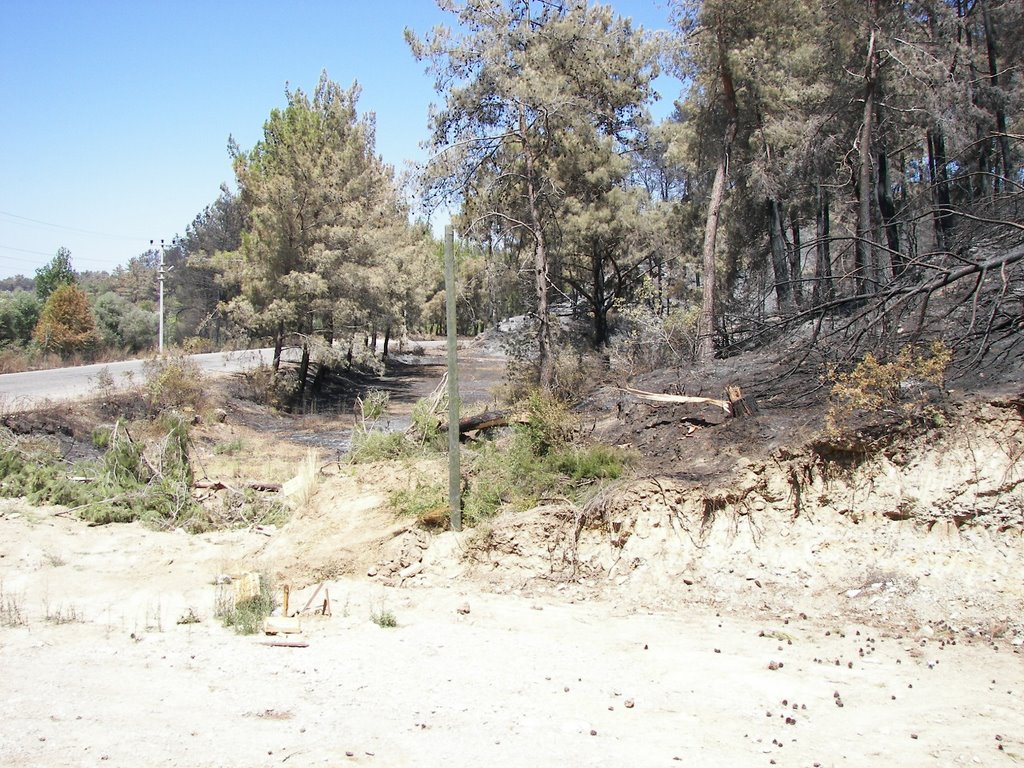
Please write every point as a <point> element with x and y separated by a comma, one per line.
<point>95,670</point>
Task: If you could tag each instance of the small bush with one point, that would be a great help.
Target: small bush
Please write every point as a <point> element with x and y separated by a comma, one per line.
<point>11,613</point>
<point>549,423</point>
<point>514,474</point>
<point>377,445</point>
<point>384,618</point>
<point>427,501</point>
<point>898,388</point>
<point>174,383</point>
<point>134,480</point>
<point>266,386</point>
<point>373,406</point>
<point>247,616</point>
<point>230,448</point>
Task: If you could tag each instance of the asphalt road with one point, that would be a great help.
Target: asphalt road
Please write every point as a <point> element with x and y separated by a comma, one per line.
<point>22,391</point>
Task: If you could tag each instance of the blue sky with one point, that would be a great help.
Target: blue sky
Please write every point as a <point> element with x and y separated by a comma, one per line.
<point>116,115</point>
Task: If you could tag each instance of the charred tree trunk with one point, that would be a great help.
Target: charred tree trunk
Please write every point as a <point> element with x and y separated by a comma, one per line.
<point>780,263</point>
<point>706,318</point>
<point>796,266</point>
<point>598,298</point>
<point>329,329</point>
<point>1002,140</point>
<point>303,370</point>
<point>864,255</point>
<point>824,289</point>
<point>887,210</point>
<point>278,346</point>
<point>943,213</point>
<point>387,340</point>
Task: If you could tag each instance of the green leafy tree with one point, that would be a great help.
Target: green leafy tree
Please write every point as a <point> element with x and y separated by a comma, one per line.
<point>321,208</point>
<point>526,84</point>
<point>123,325</point>
<point>19,313</point>
<point>66,324</point>
<point>137,282</point>
<point>194,286</point>
<point>55,274</point>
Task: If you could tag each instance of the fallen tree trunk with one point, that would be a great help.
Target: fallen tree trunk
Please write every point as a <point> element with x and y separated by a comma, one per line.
<point>654,397</point>
<point>218,485</point>
<point>737,405</point>
<point>486,420</point>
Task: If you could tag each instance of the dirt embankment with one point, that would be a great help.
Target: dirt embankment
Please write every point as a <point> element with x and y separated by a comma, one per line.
<point>752,596</point>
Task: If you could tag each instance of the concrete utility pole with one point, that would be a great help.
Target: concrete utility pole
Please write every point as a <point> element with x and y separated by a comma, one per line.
<point>160,280</point>
<point>454,477</point>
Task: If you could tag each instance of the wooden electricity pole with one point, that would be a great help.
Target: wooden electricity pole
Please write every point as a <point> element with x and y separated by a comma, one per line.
<point>454,477</point>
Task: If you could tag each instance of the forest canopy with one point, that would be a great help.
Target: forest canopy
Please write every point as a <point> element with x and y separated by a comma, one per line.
<point>843,172</point>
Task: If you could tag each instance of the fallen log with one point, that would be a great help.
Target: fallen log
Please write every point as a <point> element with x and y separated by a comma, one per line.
<point>486,420</point>
<point>219,485</point>
<point>660,398</point>
<point>737,405</point>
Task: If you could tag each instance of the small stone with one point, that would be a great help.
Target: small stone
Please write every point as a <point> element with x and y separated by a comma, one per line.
<point>593,732</point>
<point>629,704</point>
<point>913,735</point>
<point>463,609</point>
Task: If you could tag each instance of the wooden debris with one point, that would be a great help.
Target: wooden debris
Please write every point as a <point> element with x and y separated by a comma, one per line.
<point>325,607</point>
<point>660,398</point>
<point>486,420</point>
<point>284,643</point>
<point>220,485</point>
<point>282,625</point>
<point>246,586</point>
<point>740,404</point>
<point>737,405</point>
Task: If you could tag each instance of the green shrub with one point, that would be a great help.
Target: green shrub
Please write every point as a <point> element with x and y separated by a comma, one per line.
<point>422,501</point>
<point>126,484</point>
<point>898,388</point>
<point>513,474</point>
<point>247,616</point>
<point>384,618</point>
<point>377,445</point>
<point>373,406</point>
<point>230,448</point>
<point>174,383</point>
<point>548,422</point>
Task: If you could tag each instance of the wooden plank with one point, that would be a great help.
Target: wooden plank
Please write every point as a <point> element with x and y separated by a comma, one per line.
<point>283,625</point>
<point>285,643</point>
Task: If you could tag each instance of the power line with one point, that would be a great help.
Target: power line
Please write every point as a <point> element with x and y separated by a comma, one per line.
<point>67,228</point>
<point>25,250</point>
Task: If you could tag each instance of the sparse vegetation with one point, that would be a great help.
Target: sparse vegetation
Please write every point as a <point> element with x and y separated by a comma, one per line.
<point>426,500</point>
<point>378,445</point>
<point>384,618</point>
<point>245,616</point>
<point>11,614</point>
<point>899,388</point>
<point>144,474</point>
<point>176,383</point>
<point>541,459</point>
<point>229,448</point>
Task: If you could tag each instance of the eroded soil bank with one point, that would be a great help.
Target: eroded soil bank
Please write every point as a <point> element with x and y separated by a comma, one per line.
<point>752,596</point>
